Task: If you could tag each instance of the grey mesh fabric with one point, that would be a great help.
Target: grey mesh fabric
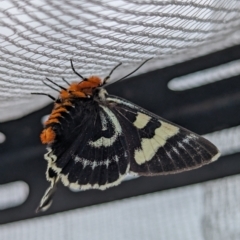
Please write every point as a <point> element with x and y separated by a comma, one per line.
<point>38,38</point>
<point>205,211</point>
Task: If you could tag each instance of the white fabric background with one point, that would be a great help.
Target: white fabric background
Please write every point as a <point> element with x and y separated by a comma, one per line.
<point>154,216</point>
<point>37,39</point>
<point>205,211</point>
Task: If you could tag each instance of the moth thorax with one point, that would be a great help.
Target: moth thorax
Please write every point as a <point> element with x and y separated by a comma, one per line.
<point>101,94</point>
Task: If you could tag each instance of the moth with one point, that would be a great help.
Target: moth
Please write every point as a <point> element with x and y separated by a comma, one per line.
<point>95,139</point>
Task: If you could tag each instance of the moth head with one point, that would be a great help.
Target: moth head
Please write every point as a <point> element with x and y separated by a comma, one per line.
<point>100,94</point>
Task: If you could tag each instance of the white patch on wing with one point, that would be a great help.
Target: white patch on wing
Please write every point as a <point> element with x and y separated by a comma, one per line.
<point>85,163</point>
<point>64,179</point>
<point>192,136</point>
<point>149,147</point>
<point>141,120</point>
<point>77,186</point>
<point>116,158</point>
<point>107,142</point>
<point>49,156</point>
<point>121,101</point>
<point>175,150</point>
<point>103,121</point>
<point>214,158</point>
<point>93,164</point>
<point>186,139</point>
<point>181,146</point>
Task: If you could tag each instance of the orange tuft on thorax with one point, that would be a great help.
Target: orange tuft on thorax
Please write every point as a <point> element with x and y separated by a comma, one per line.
<point>82,89</point>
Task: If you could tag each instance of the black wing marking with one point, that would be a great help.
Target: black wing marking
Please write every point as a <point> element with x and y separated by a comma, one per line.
<point>157,146</point>
<point>90,152</point>
<point>95,155</point>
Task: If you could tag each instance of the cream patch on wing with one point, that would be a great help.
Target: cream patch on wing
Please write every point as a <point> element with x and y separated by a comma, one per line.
<point>149,146</point>
<point>103,141</point>
<point>141,120</point>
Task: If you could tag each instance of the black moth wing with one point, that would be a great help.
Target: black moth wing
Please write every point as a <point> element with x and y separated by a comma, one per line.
<point>90,149</point>
<point>157,146</point>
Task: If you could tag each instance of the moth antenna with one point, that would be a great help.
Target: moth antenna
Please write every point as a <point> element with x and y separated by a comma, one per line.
<point>45,94</point>
<point>50,86</point>
<point>63,88</point>
<point>65,81</point>
<point>83,78</point>
<point>109,75</point>
<point>134,70</point>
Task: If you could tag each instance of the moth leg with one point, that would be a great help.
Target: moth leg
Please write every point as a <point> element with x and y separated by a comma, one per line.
<point>46,200</point>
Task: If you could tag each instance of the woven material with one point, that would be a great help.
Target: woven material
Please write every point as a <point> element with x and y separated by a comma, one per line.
<point>174,214</point>
<point>37,39</point>
<point>199,212</point>
<point>222,209</point>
